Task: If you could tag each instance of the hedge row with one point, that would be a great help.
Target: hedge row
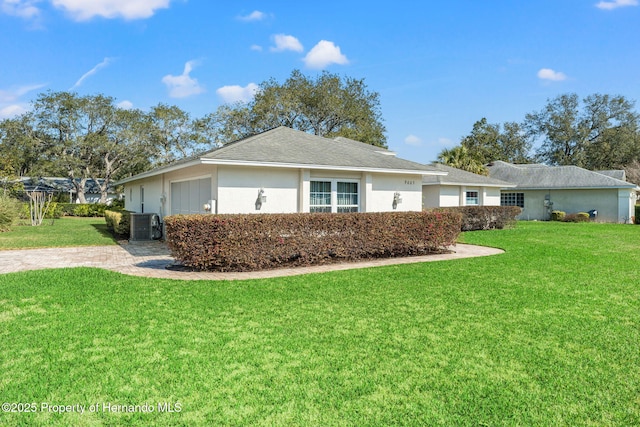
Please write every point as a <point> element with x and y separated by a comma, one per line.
<point>118,222</point>
<point>256,242</point>
<point>574,217</point>
<point>484,217</point>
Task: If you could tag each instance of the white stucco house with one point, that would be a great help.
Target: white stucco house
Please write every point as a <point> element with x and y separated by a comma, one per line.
<point>540,189</point>
<point>282,171</point>
<point>460,188</point>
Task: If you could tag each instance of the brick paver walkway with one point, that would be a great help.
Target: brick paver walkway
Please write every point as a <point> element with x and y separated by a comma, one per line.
<point>149,259</point>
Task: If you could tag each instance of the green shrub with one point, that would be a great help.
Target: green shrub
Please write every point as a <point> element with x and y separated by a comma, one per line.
<point>54,211</point>
<point>9,211</point>
<point>255,242</point>
<point>118,222</point>
<point>484,217</point>
<point>85,209</point>
<point>577,217</point>
<point>558,215</point>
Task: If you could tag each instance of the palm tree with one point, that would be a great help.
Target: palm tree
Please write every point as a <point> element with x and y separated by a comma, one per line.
<point>458,157</point>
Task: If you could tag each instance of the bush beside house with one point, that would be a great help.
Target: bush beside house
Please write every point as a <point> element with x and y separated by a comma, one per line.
<point>484,217</point>
<point>255,242</point>
<point>118,222</point>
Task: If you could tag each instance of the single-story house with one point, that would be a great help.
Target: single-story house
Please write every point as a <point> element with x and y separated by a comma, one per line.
<point>460,188</point>
<point>282,171</point>
<point>540,189</point>
<point>58,185</point>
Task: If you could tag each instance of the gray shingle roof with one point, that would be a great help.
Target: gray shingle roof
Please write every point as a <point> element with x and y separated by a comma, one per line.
<point>459,177</point>
<point>284,145</point>
<point>538,176</point>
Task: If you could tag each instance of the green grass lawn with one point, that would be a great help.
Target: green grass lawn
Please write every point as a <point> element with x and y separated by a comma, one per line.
<point>547,334</point>
<point>68,231</point>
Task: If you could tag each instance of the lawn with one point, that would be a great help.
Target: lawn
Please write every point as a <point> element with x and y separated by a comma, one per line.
<point>547,334</point>
<point>68,231</point>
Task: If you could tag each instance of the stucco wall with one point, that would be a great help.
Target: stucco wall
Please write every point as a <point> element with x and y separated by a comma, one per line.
<point>605,201</point>
<point>152,191</point>
<point>384,186</point>
<point>238,189</point>
<point>235,189</point>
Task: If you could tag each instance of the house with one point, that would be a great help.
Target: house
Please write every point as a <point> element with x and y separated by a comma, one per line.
<point>540,189</point>
<point>64,186</point>
<point>282,171</point>
<point>460,188</point>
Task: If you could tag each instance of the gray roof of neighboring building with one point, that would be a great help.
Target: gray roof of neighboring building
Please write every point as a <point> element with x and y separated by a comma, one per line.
<point>459,177</point>
<point>617,174</point>
<point>284,146</point>
<point>538,176</point>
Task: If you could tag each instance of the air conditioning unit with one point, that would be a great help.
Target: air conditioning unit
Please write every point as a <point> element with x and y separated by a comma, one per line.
<point>145,227</point>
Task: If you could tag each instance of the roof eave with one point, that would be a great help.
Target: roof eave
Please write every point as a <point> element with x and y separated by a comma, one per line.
<point>321,167</point>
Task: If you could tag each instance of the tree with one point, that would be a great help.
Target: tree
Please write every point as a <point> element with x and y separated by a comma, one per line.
<point>489,142</point>
<point>328,106</point>
<point>459,157</point>
<point>172,134</point>
<point>601,135</point>
<point>86,137</point>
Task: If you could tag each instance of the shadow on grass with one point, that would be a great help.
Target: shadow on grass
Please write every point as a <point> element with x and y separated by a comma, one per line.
<point>104,232</point>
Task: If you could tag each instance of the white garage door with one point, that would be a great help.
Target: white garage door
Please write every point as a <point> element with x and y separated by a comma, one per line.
<point>188,197</point>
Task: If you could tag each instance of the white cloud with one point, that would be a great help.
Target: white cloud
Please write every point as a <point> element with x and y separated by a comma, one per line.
<point>10,105</point>
<point>284,42</point>
<point>323,54</point>
<point>256,47</point>
<point>12,110</point>
<point>83,10</point>
<point>256,15</point>
<point>104,63</point>
<point>14,94</point>
<point>610,5</point>
<point>413,140</point>
<point>22,8</point>
<point>549,74</point>
<point>183,85</point>
<point>235,93</point>
<point>125,105</point>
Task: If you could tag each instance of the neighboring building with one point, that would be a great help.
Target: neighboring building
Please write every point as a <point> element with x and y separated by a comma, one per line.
<point>65,187</point>
<point>282,171</point>
<point>541,189</point>
<point>460,188</point>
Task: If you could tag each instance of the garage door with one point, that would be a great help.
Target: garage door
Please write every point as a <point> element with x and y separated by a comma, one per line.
<point>188,197</point>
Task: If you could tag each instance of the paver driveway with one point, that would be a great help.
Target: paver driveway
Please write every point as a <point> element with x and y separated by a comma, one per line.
<point>149,259</point>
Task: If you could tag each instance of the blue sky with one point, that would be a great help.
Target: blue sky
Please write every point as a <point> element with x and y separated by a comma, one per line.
<point>438,66</point>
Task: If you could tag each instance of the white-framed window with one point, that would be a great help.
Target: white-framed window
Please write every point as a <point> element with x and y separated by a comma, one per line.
<point>512,199</point>
<point>334,195</point>
<point>472,198</point>
<point>320,196</point>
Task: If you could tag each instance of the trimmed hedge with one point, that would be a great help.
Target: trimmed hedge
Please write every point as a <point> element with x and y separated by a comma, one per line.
<point>484,217</point>
<point>577,217</point>
<point>256,242</point>
<point>118,222</point>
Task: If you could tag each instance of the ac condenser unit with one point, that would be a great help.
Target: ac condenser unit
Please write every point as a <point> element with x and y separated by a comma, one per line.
<point>144,226</point>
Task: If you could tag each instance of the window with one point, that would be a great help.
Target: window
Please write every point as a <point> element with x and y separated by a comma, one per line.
<point>320,196</point>
<point>512,199</point>
<point>347,197</point>
<point>334,196</point>
<point>472,198</point>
